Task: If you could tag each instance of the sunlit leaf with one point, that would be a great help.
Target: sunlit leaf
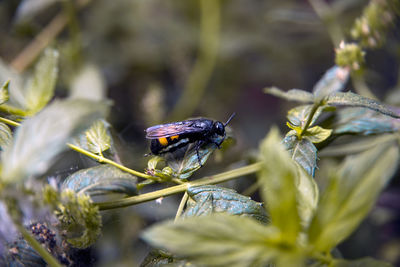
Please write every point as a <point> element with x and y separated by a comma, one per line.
<point>88,84</point>
<point>101,180</point>
<point>333,81</point>
<point>307,195</point>
<point>15,87</point>
<point>222,240</point>
<point>5,135</point>
<point>353,100</point>
<point>277,178</point>
<point>40,87</point>
<point>298,116</point>
<point>351,193</point>
<point>40,138</point>
<point>317,134</point>
<point>292,95</point>
<point>302,151</point>
<point>4,95</point>
<point>98,138</point>
<point>209,199</point>
<point>364,121</point>
<point>365,262</point>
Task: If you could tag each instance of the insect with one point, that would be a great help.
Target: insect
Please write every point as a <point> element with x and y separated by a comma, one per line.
<point>171,136</point>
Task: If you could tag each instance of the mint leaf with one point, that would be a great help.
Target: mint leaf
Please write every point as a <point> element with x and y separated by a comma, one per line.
<point>277,177</point>
<point>292,95</point>
<point>351,193</point>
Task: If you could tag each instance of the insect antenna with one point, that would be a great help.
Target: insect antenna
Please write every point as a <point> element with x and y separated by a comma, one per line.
<point>230,118</point>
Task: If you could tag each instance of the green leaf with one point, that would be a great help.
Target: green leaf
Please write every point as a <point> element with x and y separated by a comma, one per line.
<point>302,151</point>
<point>277,177</point>
<point>292,95</point>
<point>209,199</point>
<point>364,121</point>
<point>40,87</point>
<point>4,96</point>
<point>222,240</point>
<point>88,84</point>
<point>317,134</point>
<point>364,262</point>
<point>307,196</point>
<point>101,180</point>
<point>5,136</point>
<point>40,138</point>
<point>298,116</point>
<point>333,81</point>
<point>184,161</point>
<point>351,193</point>
<point>354,100</point>
<point>98,138</point>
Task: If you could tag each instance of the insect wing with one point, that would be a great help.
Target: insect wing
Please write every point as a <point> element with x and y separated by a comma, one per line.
<point>171,129</point>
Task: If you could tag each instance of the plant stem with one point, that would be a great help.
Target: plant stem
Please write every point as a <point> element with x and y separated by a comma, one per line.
<point>181,205</point>
<point>205,63</point>
<point>37,246</point>
<point>108,161</point>
<point>13,110</point>
<point>309,118</point>
<point>10,122</point>
<point>215,179</point>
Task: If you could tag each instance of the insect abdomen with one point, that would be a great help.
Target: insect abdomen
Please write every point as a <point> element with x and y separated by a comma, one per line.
<point>167,144</point>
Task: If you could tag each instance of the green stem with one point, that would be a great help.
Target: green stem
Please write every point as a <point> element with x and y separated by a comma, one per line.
<point>309,118</point>
<point>203,68</point>
<point>10,122</point>
<point>13,110</point>
<point>37,247</point>
<point>181,205</point>
<point>108,161</point>
<point>215,179</point>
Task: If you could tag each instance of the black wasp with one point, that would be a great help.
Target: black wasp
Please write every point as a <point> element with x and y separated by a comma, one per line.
<point>171,136</point>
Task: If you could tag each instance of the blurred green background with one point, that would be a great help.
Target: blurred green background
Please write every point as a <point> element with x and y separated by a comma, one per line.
<point>163,60</point>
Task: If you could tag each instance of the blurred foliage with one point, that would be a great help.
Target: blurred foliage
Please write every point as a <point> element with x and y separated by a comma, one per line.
<point>63,61</point>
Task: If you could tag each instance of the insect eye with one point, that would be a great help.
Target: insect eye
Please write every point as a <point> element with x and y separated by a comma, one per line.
<point>219,128</point>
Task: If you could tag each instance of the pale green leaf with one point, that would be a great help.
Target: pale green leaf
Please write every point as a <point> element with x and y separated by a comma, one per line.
<point>4,95</point>
<point>5,136</point>
<point>333,81</point>
<point>222,240</point>
<point>317,134</point>
<point>354,100</point>
<point>351,193</point>
<point>298,116</point>
<point>98,138</point>
<point>40,87</point>
<point>209,199</point>
<point>292,95</point>
<point>101,180</point>
<point>88,84</point>
<point>364,262</point>
<point>307,195</point>
<point>40,138</point>
<point>302,151</point>
<point>15,87</point>
<point>277,177</point>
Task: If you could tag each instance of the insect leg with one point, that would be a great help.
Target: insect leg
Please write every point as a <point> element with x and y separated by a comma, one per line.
<point>198,145</point>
